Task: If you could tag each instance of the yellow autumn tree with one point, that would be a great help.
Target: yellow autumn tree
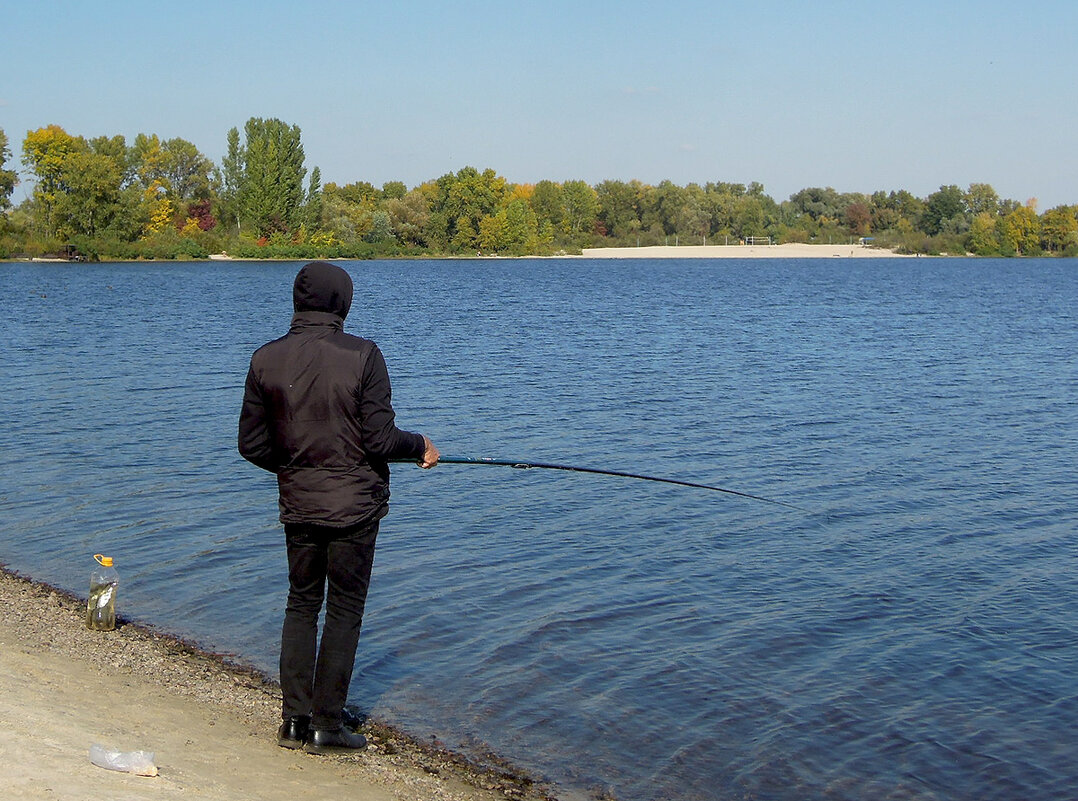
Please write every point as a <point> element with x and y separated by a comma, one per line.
<point>47,152</point>
<point>1059,228</point>
<point>983,239</point>
<point>521,192</point>
<point>1020,231</point>
<point>158,210</point>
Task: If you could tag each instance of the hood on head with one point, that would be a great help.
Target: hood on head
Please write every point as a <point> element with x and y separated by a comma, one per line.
<point>322,287</point>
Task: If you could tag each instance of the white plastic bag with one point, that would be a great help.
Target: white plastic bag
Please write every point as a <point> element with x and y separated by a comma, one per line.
<point>138,762</point>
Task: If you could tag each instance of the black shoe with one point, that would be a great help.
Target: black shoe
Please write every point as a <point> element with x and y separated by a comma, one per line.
<point>293,732</point>
<point>334,741</point>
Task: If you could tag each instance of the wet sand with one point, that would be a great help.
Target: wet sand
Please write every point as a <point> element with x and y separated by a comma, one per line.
<point>210,723</point>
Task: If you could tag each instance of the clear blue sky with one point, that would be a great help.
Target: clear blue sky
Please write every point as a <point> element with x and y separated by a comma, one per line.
<point>856,95</point>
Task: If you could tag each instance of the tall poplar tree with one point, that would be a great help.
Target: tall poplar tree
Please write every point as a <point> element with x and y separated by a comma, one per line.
<point>313,205</point>
<point>231,177</point>
<point>263,176</point>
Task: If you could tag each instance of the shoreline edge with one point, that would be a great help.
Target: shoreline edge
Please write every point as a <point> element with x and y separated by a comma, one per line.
<point>210,720</point>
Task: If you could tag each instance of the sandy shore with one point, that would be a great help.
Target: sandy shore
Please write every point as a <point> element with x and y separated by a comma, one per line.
<point>791,251</point>
<point>210,724</point>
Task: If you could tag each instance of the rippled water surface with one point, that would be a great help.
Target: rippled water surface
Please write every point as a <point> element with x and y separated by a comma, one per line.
<point>911,636</point>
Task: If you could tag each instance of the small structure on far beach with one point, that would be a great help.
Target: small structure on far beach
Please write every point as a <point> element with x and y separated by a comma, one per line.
<point>66,253</point>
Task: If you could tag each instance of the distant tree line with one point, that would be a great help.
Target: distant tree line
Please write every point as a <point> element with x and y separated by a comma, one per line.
<point>157,198</point>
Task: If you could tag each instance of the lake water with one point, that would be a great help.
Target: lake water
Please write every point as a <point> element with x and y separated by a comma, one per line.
<point>911,636</point>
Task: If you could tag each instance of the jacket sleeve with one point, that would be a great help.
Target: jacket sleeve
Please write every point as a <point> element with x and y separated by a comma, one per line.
<point>381,437</point>
<point>254,435</point>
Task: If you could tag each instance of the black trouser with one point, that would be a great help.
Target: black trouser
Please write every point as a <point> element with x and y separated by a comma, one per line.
<point>315,676</point>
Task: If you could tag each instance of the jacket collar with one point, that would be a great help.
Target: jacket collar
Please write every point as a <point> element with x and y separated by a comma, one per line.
<point>313,319</point>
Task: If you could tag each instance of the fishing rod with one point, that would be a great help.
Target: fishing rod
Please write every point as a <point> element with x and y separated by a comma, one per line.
<point>521,465</point>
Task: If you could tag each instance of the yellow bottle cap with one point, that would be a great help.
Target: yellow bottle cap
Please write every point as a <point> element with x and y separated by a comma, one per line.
<point>104,561</point>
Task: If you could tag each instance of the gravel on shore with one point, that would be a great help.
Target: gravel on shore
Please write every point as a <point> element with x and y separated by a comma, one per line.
<point>43,635</point>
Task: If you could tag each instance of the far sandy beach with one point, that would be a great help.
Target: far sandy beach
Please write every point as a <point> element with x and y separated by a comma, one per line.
<point>210,724</point>
<point>790,251</point>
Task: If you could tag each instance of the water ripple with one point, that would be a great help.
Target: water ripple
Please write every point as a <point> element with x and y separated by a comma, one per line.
<point>911,637</point>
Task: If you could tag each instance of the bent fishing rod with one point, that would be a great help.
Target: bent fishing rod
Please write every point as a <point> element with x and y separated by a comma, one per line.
<point>523,465</point>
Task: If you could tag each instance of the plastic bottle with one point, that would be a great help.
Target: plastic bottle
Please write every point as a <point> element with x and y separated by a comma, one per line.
<point>101,606</point>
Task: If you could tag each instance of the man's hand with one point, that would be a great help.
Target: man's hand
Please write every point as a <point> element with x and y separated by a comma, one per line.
<point>430,455</point>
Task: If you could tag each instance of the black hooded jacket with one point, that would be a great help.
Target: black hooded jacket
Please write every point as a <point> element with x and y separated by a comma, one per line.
<point>317,411</point>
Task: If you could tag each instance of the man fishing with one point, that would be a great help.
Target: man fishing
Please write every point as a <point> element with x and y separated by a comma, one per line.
<point>317,413</point>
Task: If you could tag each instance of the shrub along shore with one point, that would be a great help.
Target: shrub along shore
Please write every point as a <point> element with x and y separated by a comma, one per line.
<point>787,251</point>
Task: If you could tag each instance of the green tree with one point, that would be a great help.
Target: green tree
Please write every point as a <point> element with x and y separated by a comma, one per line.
<point>465,236</point>
<point>312,207</point>
<point>114,148</point>
<point>231,178</point>
<point>268,172</point>
<point>360,193</point>
<point>410,215</point>
<point>694,219</point>
<point>493,234</point>
<point>982,198</point>
<point>8,178</point>
<point>394,190</point>
<point>948,204</point>
<point>661,207</point>
<point>91,203</point>
<point>895,211</point>
<point>1019,231</point>
<point>381,227</point>
<point>46,152</point>
<point>187,170</point>
<point>149,161</point>
<point>819,203</point>
<point>83,187</point>
<point>619,207</point>
<point>884,215</point>
<point>514,229</point>
<point>722,202</point>
<point>750,216</point>
<point>1059,229</point>
<point>347,222</point>
<point>524,236</point>
<point>460,203</point>
<point>581,206</point>
<point>348,211</point>
<point>983,238</point>
<point>547,203</point>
